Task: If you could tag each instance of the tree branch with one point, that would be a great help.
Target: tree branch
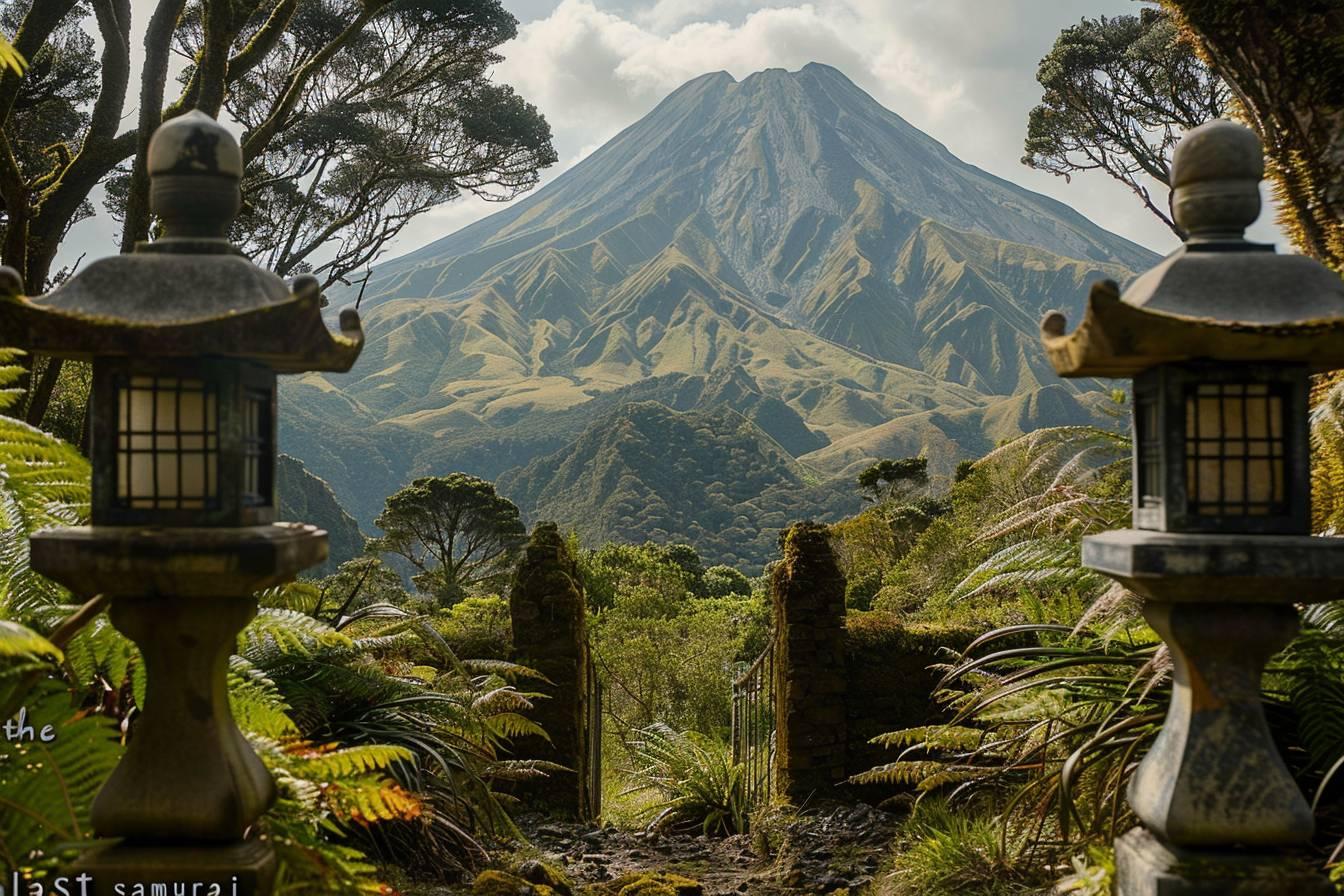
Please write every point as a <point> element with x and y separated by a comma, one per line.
<point>42,19</point>
<point>158,44</point>
<point>257,140</point>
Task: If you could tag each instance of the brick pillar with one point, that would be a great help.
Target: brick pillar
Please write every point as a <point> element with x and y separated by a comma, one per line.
<point>550,635</point>
<point>808,600</point>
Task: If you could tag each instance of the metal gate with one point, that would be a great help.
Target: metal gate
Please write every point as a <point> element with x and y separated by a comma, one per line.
<point>593,736</point>
<point>754,726</point>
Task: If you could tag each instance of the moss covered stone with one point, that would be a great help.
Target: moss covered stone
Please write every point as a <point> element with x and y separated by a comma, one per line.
<point>537,872</point>
<point>501,883</point>
<point>807,592</point>
<point>548,612</point>
<point>654,883</point>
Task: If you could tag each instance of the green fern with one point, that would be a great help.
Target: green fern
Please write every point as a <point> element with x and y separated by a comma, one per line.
<point>46,788</point>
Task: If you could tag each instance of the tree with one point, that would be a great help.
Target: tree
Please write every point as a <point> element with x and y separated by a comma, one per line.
<point>456,531</point>
<point>1118,94</point>
<point>358,115</point>
<point>894,480</point>
<point>1284,61</point>
<point>725,581</point>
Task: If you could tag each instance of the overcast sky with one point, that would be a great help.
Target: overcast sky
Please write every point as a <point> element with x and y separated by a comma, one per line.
<point>963,71</point>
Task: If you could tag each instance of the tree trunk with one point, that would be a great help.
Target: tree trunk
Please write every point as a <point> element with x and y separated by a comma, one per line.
<point>40,399</point>
<point>1285,61</point>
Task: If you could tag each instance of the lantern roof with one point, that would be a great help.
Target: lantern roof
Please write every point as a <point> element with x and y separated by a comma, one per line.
<point>1218,297</point>
<point>190,293</point>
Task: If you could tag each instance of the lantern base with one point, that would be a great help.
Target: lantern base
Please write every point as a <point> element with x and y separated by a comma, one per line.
<point>1145,866</point>
<point>246,868</point>
<point>1188,567</point>
<point>181,562</point>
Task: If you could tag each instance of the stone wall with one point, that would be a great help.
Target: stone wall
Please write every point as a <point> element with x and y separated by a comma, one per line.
<point>890,682</point>
<point>808,602</point>
<point>842,679</point>
<point>548,612</point>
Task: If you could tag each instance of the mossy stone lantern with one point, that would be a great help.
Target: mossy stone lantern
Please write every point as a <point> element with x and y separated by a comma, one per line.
<point>186,337</point>
<point>1220,340</point>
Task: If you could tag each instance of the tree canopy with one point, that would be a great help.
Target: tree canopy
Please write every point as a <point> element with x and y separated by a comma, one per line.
<point>456,531</point>
<point>357,116</point>
<point>891,480</point>
<point>1118,94</point>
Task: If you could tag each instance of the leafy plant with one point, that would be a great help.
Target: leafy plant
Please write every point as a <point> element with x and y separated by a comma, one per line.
<point>696,777</point>
<point>46,788</point>
<point>944,851</point>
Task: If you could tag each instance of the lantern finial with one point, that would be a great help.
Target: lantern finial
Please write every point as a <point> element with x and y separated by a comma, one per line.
<point>1215,179</point>
<point>195,170</point>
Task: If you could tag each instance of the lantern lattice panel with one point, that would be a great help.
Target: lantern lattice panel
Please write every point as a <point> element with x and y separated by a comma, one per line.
<point>167,446</point>
<point>1235,449</point>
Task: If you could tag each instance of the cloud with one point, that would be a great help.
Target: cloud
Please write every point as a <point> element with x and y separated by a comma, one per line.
<point>963,71</point>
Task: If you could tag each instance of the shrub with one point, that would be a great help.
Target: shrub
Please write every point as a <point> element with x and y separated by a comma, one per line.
<point>478,627</point>
<point>945,852</point>
<point>699,783</point>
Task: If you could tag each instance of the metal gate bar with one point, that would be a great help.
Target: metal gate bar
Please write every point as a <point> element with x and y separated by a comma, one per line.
<point>753,733</point>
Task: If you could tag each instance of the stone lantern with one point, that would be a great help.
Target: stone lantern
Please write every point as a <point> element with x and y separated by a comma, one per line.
<point>186,337</point>
<point>1220,339</point>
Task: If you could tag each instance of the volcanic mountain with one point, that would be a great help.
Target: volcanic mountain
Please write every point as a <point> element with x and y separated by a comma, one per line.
<point>782,247</point>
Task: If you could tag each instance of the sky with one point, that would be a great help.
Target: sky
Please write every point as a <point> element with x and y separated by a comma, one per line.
<point>962,71</point>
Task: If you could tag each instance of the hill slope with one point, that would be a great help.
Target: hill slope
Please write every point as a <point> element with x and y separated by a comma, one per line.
<point>647,472</point>
<point>304,498</point>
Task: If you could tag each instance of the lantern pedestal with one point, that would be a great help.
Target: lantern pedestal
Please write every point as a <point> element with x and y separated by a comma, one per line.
<point>189,787</point>
<point>1213,794</point>
<point>1145,866</point>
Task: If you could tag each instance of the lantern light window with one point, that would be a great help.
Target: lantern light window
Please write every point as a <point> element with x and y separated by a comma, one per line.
<point>1235,451</point>
<point>257,447</point>
<point>1148,438</point>
<point>167,443</point>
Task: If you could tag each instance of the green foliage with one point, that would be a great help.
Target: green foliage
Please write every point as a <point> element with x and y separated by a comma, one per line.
<point>362,582</point>
<point>894,480</point>
<point>664,654</point>
<point>384,693</point>
<point>43,482</point>
<point>456,531</point>
<point>1053,727</point>
<point>698,781</point>
<point>1118,94</point>
<point>725,581</point>
<point>46,789</point>
<point>1027,501</point>
<point>478,627</point>
<point>11,58</point>
<point>950,852</point>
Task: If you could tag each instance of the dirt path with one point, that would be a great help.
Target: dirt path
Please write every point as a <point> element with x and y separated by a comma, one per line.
<point>833,849</point>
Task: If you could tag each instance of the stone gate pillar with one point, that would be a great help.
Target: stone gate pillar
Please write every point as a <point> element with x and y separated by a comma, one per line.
<point>807,593</point>
<point>550,635</point>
